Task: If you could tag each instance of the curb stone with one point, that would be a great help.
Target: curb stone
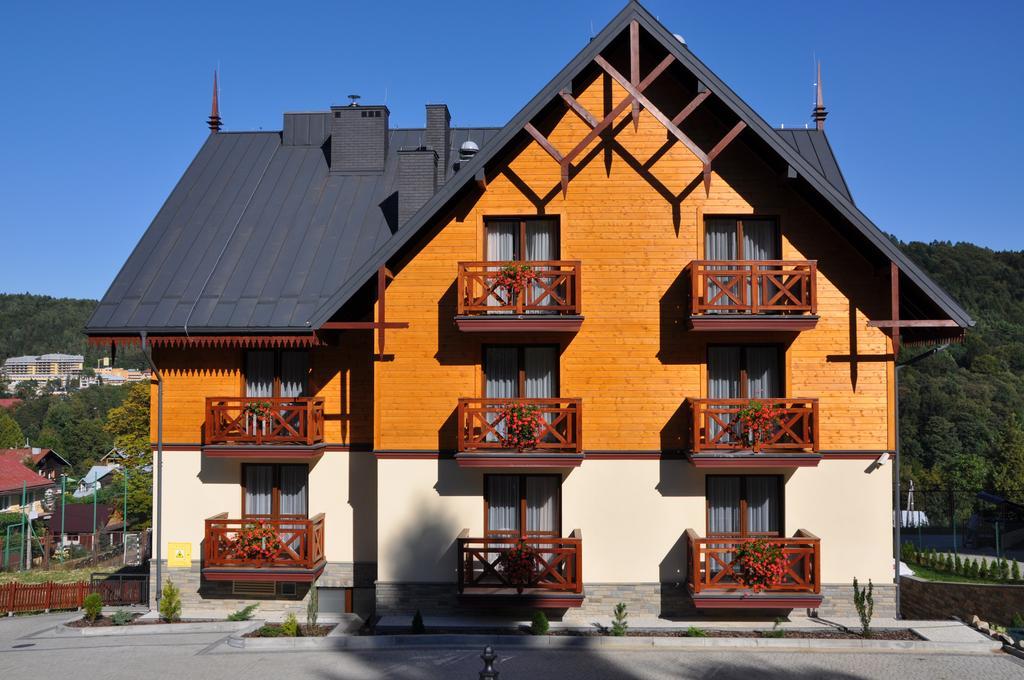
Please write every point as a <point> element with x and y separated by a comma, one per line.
<point>236,627</point>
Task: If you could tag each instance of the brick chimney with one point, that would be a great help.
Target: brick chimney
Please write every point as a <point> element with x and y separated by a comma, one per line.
<point>439,138</point>
<point>359,139</point>
<point>417,180</point>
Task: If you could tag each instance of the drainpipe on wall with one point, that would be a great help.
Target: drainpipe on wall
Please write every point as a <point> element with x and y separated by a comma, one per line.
<point>159,466</point>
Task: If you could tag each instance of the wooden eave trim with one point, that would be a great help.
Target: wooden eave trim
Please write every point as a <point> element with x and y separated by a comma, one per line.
<point>519,460</point>
<point>213,341</point>
<point>526,323</point>
<point>756,460</point>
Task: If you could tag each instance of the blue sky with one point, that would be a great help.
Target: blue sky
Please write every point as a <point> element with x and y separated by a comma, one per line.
<point>105,102</point>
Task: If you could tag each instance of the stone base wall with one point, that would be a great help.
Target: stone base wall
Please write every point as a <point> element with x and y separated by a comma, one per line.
<point>990,602</point>
<point>646,600</point>
<point>199,595</point>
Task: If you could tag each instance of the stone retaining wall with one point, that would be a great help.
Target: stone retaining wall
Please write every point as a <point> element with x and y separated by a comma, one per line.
<point>994,602</point>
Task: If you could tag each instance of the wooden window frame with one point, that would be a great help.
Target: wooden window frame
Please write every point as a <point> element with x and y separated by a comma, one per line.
<point>556,533</point>
<point>743,532</point>
<point>743,378</point>
<point>740,255</point>
<point>276,392</point>
<point>523,220</point>
<point>275,491</point>
<point>521,363</point>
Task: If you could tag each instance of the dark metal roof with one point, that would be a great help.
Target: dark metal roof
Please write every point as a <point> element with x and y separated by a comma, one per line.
<point>813,146</point>
<point>258,237</point>
<point>257,234</point>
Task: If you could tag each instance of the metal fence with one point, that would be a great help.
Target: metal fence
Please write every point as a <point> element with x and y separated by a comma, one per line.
<point>963,521</point>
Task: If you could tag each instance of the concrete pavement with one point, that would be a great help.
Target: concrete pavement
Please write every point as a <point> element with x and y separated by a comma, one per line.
<point>28,649</point>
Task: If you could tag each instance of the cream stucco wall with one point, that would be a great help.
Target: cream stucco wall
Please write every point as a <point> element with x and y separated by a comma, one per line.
<point>633,516</point>
<point>197,487</point>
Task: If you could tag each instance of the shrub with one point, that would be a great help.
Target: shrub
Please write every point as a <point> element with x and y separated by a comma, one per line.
<point>243,614</point>
<point>864,601</point>
<point>907,552</point>
<point>313,606</point>
<point>539,625</point>
<point>93,605</point>
<point>777,630</point>
<point>1017,621</point>
<point>1015,571</point>
<point>983,570</point>
<point>290,627</point>
<point>170,602</point>
<point>958,566</point>
<point>619,624</point>
<point>694,631</point>
<point>121,618</point>
<point>973,573</point>
<point>949,563</point>
<point>417,623</point>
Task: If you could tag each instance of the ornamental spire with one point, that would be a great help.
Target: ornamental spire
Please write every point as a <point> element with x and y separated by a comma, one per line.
<point>818,113</point>
<point>214,121</point>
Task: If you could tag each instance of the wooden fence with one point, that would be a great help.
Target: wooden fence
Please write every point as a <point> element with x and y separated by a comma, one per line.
<point>34,597</point>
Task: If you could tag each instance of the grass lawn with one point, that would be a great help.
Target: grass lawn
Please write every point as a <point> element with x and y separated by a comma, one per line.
<point>930,574</point>
<point>55,575</point>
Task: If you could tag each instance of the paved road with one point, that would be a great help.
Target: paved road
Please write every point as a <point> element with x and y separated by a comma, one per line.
<point>27,651</point>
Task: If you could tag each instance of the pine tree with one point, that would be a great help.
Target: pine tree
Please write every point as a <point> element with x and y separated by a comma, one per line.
<point>1015,571</point>
<point>958,567</point>
<point>948,566</point>
<point>983,570</point>
<point>10,434</point>
<point>973,573</point>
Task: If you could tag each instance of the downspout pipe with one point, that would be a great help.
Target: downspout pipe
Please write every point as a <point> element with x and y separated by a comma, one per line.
<point>159,466</point>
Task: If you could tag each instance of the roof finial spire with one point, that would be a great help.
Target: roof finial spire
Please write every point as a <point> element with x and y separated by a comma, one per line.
<point>214,120</point>
<point>818,113</point>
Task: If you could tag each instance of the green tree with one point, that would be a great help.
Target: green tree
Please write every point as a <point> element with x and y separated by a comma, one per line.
<point>11,435</point>
<point>1008,472</point>
<point>128,424</point>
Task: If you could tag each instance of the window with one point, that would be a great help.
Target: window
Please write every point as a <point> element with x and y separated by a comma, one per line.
<point>511,239</point>
<point>523,371</point>
<point>275,490</point>
<point>744,505</point>
<point>519,506</point>
<point>745,372</point>
<point>741,238</point>
<point>276,373</point>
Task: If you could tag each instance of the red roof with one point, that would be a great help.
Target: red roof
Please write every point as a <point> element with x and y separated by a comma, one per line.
<point>37,455</point>
<point>9,402</point>
<point>13,474</point>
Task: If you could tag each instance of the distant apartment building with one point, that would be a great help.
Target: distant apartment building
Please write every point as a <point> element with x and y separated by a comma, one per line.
<point>43,368</point>
<point>113,376</point>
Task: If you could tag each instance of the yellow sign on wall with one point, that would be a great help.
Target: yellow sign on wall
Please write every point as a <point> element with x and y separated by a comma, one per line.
<point>179,554</point>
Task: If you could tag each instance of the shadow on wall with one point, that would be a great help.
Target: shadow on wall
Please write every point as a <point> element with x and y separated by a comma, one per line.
<point>425,550</point>
<point>362,497</point>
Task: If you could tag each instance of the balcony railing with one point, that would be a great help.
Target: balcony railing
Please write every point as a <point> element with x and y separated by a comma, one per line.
<point>554,290</point>
<point>557,563</point>
<point>264,420</point>
<point>753,287</point>
<point>289,543</point>
<point>483,424</point>
<point>713,563</point>
<point>717,426</point>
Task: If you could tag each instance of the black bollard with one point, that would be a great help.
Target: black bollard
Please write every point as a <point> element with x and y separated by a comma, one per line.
<point>489,657</point>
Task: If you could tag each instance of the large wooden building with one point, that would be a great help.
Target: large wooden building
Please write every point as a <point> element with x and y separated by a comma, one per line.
<point>632,331</point>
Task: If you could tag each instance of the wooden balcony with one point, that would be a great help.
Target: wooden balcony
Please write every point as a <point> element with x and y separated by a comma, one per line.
<point>753,295</point>
<point>295,548</point>
<point>483,440</point>
<point>720,439</point>
<point>550,303</point>
<point>712,568</point>
<point>557,580</point>
<point>264,421</point>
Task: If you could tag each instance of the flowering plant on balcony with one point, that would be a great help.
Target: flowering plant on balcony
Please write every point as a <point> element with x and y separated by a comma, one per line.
<point>760,564</point>
<point>514,277</point>
<point>519,565</point>
<point>759,421</point>
<point>259,409</point>
<point>523,423</point>
<point>256,541</point>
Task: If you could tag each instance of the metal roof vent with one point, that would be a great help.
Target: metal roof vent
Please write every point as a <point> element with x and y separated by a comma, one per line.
<point>468,149</point>
<point>679,38</point>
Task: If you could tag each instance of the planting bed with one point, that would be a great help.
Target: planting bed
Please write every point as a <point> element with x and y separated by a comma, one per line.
<point>273,630</point>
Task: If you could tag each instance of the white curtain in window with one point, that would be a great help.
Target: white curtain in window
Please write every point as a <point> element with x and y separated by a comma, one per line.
<point>720,243</point>
<point>542,377</point>
<point>503,504</point>
<point>760,243</point>
<point>259,486</point>
<point>723,515</point>
<point>501,364</point>
<point>294,499</point>
<point>762,504</point>
<point>294,373</point>
<point>723,383</point>
<point>541,505</point>
<point>259,373</point>
<point>502,246</point>
<point>763,372</point>
<point>541,244</point>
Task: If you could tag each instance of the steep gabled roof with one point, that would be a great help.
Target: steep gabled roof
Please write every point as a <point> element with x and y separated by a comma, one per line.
<point>812,173</point>
<point>252,242</point>
<point>14,475</point>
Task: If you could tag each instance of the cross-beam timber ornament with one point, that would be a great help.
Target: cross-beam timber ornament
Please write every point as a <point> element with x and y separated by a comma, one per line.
<point>724,142</point>
<point>563,165</point>
<point>579,109</point>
